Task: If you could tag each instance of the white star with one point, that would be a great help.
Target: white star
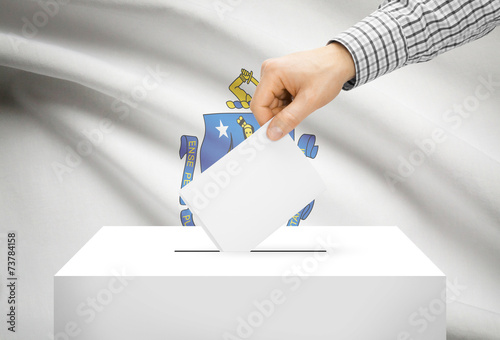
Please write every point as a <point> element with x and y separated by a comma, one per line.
<point>222,130</point>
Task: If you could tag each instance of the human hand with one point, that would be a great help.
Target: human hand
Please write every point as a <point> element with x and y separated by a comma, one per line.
<point>294,86</point>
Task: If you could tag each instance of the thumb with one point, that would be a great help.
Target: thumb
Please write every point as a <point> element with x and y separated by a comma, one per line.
<point>288,119</point>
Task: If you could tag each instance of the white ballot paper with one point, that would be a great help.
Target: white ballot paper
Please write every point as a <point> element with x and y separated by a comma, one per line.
<point>252,191</point>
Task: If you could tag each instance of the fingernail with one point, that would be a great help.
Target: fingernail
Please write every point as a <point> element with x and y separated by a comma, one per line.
<point>275,133</point>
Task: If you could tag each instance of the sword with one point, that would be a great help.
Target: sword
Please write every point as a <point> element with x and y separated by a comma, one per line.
<point>250,77</point>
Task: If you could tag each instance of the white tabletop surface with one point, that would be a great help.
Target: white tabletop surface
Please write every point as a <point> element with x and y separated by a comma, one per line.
<point>151,251</point>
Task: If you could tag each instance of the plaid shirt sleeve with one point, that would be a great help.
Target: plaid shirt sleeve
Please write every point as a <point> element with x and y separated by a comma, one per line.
<point>403,32</point>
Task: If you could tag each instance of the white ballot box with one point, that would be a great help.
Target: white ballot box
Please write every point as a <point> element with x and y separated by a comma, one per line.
<point>301,283</point>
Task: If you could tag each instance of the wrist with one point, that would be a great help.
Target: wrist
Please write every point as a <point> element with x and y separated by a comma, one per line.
<point>342,60</point>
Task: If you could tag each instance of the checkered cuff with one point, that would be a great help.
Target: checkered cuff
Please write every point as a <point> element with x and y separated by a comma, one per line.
<point>377,46</point>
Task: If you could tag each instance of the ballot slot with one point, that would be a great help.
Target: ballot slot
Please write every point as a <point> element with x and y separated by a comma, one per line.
<point>254,251</point>
<point>196,251</point>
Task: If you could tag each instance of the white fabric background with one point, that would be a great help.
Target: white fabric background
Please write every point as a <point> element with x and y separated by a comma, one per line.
<point>65,78</point>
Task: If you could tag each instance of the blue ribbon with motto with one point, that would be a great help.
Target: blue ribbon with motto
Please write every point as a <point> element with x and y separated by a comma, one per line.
<point>187,218</point>
<point>301,215</point>
<point>306,144</point>
<point>189,150</point>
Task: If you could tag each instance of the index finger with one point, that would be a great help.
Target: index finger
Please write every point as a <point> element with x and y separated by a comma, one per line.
<point>263,98</point>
